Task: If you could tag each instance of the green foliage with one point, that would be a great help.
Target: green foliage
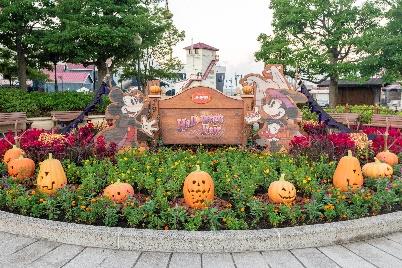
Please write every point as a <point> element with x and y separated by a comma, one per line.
<point>241,179</point>
<point>365,111</point>
<point>41,104</point>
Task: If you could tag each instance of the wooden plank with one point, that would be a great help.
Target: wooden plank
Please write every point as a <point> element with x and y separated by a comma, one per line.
<point>185,260</point>
<point>344,257</point>
<point>221,260</point>
<point>281,259</point>
<point>153,260</point>
<point>374,255</point>
<point>312,257</point>
<point>57,257</point>
<point>391,247</point>
<point>249,259</point>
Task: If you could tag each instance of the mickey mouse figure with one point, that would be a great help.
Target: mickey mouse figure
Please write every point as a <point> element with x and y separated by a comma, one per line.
<point>124,110</point>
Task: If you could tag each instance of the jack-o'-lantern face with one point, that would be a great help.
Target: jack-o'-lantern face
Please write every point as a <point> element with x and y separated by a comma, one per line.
<point>281,191</point>
<point>119,192</point>
<point>198,189</point>
<point>348,174</point>
<point>51,176</point>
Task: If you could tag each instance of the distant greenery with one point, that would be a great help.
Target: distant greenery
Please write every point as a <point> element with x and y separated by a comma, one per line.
<point>41,104</point>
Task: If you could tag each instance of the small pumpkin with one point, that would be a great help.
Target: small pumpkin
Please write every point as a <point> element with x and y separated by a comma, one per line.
<point>281,191</point>
<point>143,147</point>
<point>119,191</point>
<point>51,176</point>
<point>388,157</point>
<point>12,154</point>
<point>198,189</point>
<point>247,89</point>
<point>377,169</point>
<point>155,90</point>
<point>21,168</point>
<point>348,174</point>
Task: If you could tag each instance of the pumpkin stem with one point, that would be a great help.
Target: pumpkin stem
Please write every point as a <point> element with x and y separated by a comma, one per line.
<point>282,178</point>
<point>50,156</point>
<point>197,168</point>
<point>350,153</point>
<point>21,157</point>
<point>376,160</point>
<point>15,146</point>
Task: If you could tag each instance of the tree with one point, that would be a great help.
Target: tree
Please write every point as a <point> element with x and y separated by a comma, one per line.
<point>8,67</point>
<point>384,48</point>
<point>21,24</point>
<point>156,62</point>
<point>93,31</point>
<point>319,38</point>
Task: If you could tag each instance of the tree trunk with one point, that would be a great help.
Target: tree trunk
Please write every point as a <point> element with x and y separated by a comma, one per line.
<point>333,91</point>
<point>21,65</point>
<point>56,87</point>
<point>102,72</point>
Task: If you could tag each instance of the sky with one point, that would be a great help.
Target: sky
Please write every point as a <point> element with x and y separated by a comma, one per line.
<point>232,26</point>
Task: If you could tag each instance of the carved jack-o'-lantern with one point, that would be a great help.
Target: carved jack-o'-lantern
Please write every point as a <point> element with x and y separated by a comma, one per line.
<point>119,191</point>
<point>12,154</point>
<point>21,168</point>
<point>388,157</point>
<point>348,174</point>
<point>51,176</point>
<point>281,191</point>
<point>377,170</point>
<point>198,189</point>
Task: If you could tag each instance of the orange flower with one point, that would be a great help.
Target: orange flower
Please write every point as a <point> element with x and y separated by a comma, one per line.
<point>329,207</point>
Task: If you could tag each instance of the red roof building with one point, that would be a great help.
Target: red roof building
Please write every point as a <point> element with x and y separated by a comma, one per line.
<point>201,46</point>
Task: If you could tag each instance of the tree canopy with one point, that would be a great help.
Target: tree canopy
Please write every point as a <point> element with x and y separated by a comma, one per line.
<point>319,38</point>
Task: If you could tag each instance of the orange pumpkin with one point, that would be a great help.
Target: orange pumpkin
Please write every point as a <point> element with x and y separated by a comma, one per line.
<point>21,168</point>
<point>348,174</point>
<point>247,89</point>
<point>119,191</point>
<point>155,90</point>
<point>51,176</point>
<point>377,170</point>
<point>198,189</point>
<point>388,157</point>
<point>12,153</point>
<point>281,191</point>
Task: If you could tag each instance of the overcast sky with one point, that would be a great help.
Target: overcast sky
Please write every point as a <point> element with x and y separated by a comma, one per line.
<point>232,26</point>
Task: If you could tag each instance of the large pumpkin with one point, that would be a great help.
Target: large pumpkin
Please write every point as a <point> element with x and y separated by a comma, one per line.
<point>377,170</point>
<point>281,191</point>
<point>348,174</point>
<point>155,90</point>
<point>119,191</point>
<point>21,168</point>
<point>388,157</point>
<point>247,89</point>
<point>198,189</point>
<point>51,176</point>
<point>12,153</point>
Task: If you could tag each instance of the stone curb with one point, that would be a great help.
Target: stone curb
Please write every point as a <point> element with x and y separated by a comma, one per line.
<point>202,241</point>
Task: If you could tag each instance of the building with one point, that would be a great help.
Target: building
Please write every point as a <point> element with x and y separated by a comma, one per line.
<point>357,93</point>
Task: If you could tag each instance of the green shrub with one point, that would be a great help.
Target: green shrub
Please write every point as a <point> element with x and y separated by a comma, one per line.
<point>37,104</point>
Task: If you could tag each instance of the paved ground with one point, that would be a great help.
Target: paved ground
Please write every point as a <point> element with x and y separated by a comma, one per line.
<point>18,251</point>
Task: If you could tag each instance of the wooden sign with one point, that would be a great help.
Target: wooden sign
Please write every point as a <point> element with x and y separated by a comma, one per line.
<point>128,114</point>
<point>275,107</point>
<point>202,115</point>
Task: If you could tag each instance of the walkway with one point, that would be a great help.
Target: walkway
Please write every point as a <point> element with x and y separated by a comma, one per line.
<point>17,251</point>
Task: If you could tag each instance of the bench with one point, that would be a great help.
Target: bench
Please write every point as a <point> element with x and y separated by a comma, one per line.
<point>348,119</point>
<point>382,120</point>
<point>18,120</point>
<point>64,117</point>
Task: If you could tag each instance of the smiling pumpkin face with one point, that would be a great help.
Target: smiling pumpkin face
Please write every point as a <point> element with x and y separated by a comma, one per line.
<point>51,176</point>
<point>198,189</point>
<point>281,191</point>
<point>348,174</point>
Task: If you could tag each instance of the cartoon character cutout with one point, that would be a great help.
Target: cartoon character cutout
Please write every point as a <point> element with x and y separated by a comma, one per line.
<point>125,110</point>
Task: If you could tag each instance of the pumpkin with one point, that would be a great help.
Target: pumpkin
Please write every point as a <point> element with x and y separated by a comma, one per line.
<point>21,168</point>
<point>377,170</point>
<point>198,189</point>
<point>247,89</point>
<point>388,157</point>
<point>348,174</point>
<point>155,90</point>
<point>143,147</point>
<point>12,153</point>
<point>281,191</point>
<point>119,191</point>
<point>51,176</point>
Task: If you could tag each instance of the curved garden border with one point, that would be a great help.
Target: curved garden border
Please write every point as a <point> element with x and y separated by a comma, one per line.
<point>202,241</point>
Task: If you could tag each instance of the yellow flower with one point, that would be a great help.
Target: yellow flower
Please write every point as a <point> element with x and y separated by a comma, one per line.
<point>266,171</point>
<point>329,207</point>
<point>242,209</point>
